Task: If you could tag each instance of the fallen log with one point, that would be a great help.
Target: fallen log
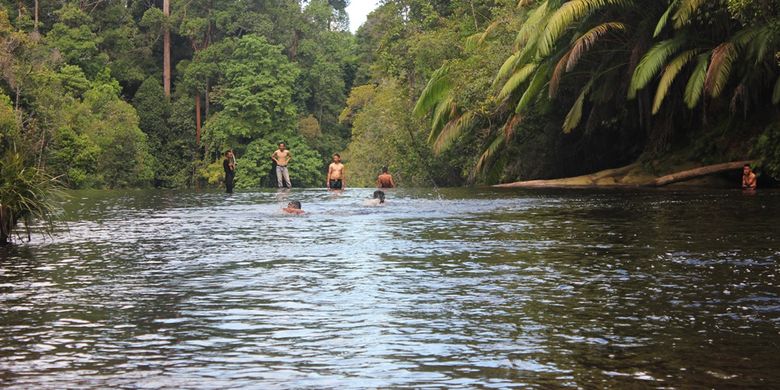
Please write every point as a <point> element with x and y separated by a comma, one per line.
<point>697,172</point>
<point>617,178</point>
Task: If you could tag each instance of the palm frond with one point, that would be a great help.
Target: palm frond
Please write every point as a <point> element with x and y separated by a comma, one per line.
<point>587,40</point>
<point>574,116</point>
<point>719,71</point>
<point>510,126</point>
<point>531,26</point>
<point>664,19</point>
<point>761,41</point>
<point>437,88</point>
<point>452,130</point>
<point>443,113</point>
<point>695,87</point>
<point>506,69</point>
<point>776,92</point>
<point>670,73</point>
<point>565,16</point>
<point>472,41</point>
<point>557,75</point>
<point>534,88</point>
<point>488,154</point>
<point>516,80</point>
<point>686,9</point>
<point>651,63</point>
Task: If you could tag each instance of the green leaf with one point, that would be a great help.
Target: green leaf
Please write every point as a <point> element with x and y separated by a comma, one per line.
<point>452,130</point>
<point>437,88</point>
<point>488,154</point>
<point>506,69</point>
<point>534,89</point>
<point>686,10</point>
<point>664,20</point>
<point>695,87</point>
<point>575,114</point>
<point>566,15</point>
<point>670,73</point>
<point>516,80</point>
<point>652,62</point>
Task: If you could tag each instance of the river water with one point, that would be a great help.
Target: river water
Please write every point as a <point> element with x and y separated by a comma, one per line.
<point>460,288</point>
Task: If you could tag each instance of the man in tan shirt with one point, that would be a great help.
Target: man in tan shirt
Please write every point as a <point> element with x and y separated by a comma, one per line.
<point>282,157</point>
<point>336,174</point>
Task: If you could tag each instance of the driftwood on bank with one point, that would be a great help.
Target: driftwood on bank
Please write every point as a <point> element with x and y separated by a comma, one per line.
<point>617,178</point>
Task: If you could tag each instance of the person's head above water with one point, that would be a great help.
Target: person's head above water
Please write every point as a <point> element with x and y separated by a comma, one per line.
<point>746,169</point>
<point>379,195</point>
<point>294,205</point>
<point>384,169</point>
<point>228,152</point>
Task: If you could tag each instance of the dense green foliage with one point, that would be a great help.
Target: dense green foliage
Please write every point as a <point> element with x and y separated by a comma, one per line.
<point>443,92</point>
<point>626,79</point>
<point>86,85</point>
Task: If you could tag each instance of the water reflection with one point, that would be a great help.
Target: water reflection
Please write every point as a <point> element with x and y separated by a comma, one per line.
<point>474,289</point>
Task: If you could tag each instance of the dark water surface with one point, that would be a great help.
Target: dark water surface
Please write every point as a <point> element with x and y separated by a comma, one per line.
<point>468,288</point>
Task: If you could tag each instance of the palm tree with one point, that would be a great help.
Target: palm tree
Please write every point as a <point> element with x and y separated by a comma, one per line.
<point>26,195</point>
<point>609,53</point>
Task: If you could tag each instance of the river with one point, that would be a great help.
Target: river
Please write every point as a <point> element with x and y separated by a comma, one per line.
<point>456,288</point>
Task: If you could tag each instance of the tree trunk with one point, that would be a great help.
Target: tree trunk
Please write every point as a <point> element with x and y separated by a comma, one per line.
<point>617,178</point>
<point>167,49</point>
<point>37,8</point>
<point>197,119</point>
<point>696,173</point>
<point>206,99</point>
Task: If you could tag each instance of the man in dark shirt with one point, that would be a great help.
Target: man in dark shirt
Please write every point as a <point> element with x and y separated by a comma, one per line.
<point>229,165</point>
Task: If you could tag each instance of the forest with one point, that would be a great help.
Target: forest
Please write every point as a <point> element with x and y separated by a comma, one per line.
<point>142,93</point>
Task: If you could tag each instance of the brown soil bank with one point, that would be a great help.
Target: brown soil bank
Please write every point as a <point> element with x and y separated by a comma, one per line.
<point>633,175</point>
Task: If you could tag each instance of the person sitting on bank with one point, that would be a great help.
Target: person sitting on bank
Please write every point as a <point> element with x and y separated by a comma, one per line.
<point>336,174</point>
<point>229,165</point>
<point>385,180</point>
<point>748,178</point>
<point>282,158</point>
<point>293,207</point>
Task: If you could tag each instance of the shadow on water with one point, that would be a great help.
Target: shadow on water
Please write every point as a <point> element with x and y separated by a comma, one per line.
<point>440,287</point>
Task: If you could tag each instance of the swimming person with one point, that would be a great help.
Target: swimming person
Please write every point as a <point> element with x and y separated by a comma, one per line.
<point>385,180</point>
<point>336,174</point>
<point>282,157</point>
<point>293,207</point>
<point>748,178</point>
<point>378,199</point>
<point>229,165</point>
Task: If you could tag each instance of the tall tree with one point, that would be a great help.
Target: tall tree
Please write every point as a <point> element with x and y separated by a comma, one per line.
<point>167,48</point>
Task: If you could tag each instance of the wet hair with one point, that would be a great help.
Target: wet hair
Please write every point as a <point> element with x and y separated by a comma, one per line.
<point>746,166</point>
<point>294,205</point>
<point>384,169</point>
<point>282,143</point>
<point>379,195</point>
<point>336,155</point>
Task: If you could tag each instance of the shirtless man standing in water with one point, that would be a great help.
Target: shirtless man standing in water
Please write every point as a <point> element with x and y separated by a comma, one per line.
<point>336,174</point>
<point>282,157</point>
<point>385,180</point>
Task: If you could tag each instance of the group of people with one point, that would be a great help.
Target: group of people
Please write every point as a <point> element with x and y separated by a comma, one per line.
<point>336,173</point>
<point>282,157</point>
